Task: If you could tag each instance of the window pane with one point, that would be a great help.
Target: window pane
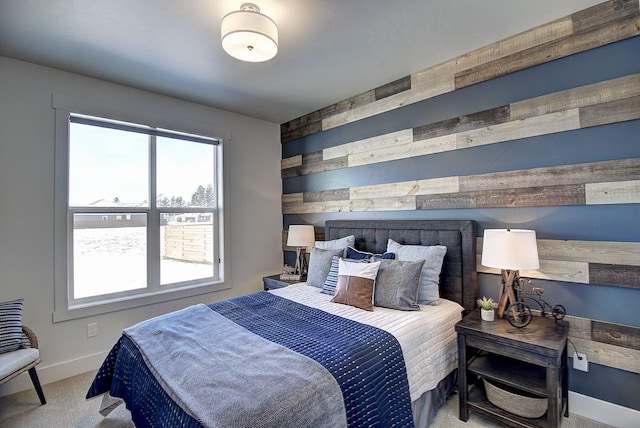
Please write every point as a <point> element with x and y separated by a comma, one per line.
<point>185,173</point>
<point>186,245</point>
<point>109,253</point>
<point>107,167</point>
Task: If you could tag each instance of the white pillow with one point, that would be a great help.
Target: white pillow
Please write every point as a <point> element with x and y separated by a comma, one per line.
<point>337,244</point>
<point>356,283</point>
<point>428,290</point>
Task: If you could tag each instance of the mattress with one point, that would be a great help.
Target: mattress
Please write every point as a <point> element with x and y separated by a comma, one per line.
<point>427,337</point>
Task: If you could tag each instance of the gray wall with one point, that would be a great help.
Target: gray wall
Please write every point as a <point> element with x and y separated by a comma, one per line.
<point>592,223</point>
<point>26,208</point>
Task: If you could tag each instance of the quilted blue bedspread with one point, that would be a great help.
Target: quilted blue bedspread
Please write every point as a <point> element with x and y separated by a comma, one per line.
<point>366,362</point>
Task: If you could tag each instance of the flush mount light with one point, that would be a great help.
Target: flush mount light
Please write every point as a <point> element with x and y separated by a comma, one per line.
<point>249,35</point>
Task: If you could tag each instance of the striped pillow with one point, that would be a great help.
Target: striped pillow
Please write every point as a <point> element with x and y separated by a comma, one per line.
<point>11,325</point>
<point>329,286</point>
<point>352,253</point>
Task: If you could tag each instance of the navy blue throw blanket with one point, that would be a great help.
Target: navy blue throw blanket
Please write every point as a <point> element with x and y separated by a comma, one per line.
<point>367,362</point>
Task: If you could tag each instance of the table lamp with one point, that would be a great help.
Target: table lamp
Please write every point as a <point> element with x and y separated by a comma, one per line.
<point>510,250</point>
<point>301,237</point>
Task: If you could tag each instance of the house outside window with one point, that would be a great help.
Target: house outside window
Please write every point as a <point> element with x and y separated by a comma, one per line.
<point>142,213</point>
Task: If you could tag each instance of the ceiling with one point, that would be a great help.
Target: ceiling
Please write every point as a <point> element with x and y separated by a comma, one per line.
<point>329,50</point>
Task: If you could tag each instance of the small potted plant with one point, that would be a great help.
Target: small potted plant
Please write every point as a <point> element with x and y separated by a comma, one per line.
<point>486,308</point>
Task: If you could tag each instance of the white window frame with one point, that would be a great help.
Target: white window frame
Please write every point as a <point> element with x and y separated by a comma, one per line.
<point>64,306</point>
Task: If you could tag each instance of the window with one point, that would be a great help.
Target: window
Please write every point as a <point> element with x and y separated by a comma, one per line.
<point>142,212</point>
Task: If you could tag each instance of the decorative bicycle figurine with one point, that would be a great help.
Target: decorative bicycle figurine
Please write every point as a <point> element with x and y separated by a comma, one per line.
<point>519,314</point>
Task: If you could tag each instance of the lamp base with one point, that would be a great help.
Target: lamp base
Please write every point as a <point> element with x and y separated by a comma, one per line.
<point>301,261</point>
<point>510,278</point>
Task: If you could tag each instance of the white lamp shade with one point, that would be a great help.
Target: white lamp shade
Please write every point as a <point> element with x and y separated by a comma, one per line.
<point>510,249</point>
<point>301,236</point>
<point>249,36</point>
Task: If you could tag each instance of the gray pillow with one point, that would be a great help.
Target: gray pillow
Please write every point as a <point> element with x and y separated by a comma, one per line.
<point>428,291</point>
<point>397,285</point>
<point>319,265</point>
<point>340,243</point>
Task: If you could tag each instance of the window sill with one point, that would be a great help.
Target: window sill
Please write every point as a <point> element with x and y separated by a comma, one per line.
<point>130,302</point>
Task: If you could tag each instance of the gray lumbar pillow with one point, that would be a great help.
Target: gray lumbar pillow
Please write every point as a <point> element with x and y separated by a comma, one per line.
<point>397,285</point>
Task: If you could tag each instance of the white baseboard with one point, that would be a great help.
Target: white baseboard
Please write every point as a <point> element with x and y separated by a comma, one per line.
<point>603,411</point>
<point>54,373</point>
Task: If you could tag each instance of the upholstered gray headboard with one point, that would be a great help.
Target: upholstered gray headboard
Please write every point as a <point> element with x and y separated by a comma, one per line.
<point>458,279</point>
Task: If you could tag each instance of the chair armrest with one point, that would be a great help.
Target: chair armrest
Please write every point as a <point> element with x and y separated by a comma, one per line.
<point>29,338</point>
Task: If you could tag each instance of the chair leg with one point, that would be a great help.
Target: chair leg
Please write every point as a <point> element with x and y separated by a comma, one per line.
<point>36,385</point>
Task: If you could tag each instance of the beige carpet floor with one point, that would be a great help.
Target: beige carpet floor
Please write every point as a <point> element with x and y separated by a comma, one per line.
<point>66,407</point>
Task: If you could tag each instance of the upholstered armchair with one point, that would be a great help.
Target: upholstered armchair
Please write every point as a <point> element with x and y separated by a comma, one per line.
<point>16,362</point>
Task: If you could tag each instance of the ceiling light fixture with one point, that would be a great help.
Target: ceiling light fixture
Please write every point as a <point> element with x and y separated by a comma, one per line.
<point>249,35</point>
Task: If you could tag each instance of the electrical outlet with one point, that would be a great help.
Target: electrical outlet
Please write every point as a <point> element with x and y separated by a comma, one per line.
<point>92,329</point>
<point>580,361</point>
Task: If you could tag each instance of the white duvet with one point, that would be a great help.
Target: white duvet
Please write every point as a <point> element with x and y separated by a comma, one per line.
<point>427,336</point>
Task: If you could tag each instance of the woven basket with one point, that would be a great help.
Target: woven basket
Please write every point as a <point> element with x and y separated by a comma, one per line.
<point>516,403</point>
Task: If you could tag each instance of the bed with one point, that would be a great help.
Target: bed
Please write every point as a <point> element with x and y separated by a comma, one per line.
<point>292,357</point>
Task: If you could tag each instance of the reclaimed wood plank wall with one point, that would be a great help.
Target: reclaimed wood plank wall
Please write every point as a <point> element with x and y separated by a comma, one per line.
<point>597,183</point>
<point>606,182</point>
<point>612,101</point>
<point>596,26</point>
<point>583,262</point>
<point>608,344</point>
<point>593,183</point>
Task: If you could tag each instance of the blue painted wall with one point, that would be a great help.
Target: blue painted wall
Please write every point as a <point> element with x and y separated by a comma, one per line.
<point>592,223</point>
